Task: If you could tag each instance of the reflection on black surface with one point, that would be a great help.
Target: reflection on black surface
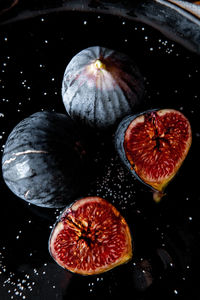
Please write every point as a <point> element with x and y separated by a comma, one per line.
<point>33,58</point>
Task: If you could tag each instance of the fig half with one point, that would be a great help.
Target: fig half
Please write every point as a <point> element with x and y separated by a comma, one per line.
<point>90,237</point>
<point>153,145</point>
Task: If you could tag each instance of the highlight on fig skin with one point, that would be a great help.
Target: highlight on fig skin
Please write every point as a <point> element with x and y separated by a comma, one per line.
<point>99,64</point>
<point>90,237</point>
<point>155,145</point>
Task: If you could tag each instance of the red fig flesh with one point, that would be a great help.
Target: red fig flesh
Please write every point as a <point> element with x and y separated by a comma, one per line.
<point>91,237</point>
<point>156,144</point>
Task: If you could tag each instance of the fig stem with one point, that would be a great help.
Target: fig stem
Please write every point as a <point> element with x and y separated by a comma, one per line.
<point>99,65</point>
<point>157,196</point>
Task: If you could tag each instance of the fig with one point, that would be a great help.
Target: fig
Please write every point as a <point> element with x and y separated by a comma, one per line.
<point>153,145</point>
<point>90,237</point>
<point>43,160</point>
<point>100,86</point>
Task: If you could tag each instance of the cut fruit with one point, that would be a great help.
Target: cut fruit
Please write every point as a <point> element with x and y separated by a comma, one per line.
<point>153,145</point>
<point>91,237</point>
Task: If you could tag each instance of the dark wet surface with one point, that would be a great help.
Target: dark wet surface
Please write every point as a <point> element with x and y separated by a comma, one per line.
<point>33,57</point>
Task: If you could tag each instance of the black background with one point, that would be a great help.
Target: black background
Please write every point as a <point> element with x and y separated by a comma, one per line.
<point>33,57</point>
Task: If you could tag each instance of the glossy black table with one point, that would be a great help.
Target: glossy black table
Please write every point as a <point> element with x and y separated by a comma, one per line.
<point>34,52</point>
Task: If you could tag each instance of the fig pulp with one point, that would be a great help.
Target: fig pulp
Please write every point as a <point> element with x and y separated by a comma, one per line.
<point>90,237</point>
<point>153,145</point>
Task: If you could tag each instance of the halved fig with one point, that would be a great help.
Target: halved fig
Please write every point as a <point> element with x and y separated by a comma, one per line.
<point>90,237</point>
<point>153,145</point>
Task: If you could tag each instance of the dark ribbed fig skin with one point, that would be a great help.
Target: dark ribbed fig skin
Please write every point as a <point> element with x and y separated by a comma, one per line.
<point>101,96</point>
<point>90,237</point>
<point>168,137</point>
<point>41,162</point>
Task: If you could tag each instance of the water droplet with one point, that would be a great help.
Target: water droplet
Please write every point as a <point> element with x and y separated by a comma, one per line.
<point>175,292</point>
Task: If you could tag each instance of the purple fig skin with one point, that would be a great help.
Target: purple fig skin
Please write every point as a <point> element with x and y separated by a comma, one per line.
<point>43,160</point>
<point>101,86</point>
